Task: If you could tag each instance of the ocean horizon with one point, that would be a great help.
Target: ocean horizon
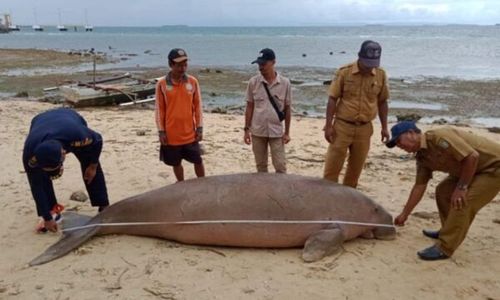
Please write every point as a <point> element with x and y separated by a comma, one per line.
<point>457,51</point>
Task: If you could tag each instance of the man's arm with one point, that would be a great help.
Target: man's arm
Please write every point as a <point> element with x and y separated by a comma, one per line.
<point>331,109</point>
<point>93,151</point>
<point>288,114</point>
<point>383,110</point>
<point>417,192</point>
<point>335,92</point>
<point>95,148</point>
<point>37,179</point>
<point>248,122</point>
<point>160,113</point>
<point>288,119</point>
<point>467,171</point>
<point>198,112</point>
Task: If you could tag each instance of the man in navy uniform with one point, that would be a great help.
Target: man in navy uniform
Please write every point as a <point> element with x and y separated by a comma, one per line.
<point>52,135</point>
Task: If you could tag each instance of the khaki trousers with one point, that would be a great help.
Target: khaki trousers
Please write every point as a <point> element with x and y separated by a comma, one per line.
<point>350,137</point>
<point>260,146</point>
<point>456,223</point>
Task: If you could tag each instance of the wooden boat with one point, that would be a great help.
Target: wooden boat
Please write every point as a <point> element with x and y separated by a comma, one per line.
<point>107,91</point>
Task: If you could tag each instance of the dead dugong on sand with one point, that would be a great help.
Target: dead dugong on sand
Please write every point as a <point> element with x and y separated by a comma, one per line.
<point>241,210</point>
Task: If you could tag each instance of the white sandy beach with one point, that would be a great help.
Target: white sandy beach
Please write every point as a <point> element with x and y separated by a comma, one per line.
<point>126,267</point>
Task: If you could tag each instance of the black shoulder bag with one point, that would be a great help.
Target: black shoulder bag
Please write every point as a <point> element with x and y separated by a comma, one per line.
<point>281,114</point>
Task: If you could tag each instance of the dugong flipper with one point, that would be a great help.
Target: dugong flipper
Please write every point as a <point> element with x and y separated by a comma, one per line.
<point>240,210</point>
<point>322,243</point>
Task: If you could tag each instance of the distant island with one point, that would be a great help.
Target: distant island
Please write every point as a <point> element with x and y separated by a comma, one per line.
<point>175,26</point>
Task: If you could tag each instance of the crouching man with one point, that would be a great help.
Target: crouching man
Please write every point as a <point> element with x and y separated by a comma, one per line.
<point>473,166</point>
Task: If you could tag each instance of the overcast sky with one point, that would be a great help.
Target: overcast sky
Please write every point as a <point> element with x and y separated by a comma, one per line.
<point>253,13</point>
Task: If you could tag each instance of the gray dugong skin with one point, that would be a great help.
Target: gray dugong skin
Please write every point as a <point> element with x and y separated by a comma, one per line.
<point>258,196</point>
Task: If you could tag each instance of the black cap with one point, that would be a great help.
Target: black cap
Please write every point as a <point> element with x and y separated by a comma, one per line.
<point>177,55</point>
<point>398,129</point>
<point>265,55</point>
<point>369,54</point>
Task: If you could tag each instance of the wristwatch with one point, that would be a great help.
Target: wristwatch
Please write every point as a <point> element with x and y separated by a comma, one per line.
<point>462,186</point>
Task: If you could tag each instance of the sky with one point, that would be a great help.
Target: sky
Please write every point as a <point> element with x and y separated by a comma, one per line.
<point>252,13</point>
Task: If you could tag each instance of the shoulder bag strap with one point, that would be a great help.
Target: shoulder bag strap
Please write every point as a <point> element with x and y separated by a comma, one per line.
<point>271,99</point>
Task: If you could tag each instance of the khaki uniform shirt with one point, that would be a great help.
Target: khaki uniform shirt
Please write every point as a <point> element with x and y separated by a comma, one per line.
<point>265,121</point>
<point>443,150</point>
<point>359,95</point>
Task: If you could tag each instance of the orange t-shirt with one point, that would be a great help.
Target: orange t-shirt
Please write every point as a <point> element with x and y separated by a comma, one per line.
<point>178,109</point>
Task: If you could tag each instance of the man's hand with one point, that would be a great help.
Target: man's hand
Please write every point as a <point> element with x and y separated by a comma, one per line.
<point>50,225</point>
<point>385,135</point>
<point>330,134</point>
<point>285,138</point>
<point>247,138</point>
<point>401,219</point>
<point>458,200</point>
<point>199,134</point>
<point>163,138</point>
<point>89,173</point>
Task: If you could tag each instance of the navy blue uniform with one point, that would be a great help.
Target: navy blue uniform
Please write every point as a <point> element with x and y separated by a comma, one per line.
<point>69,129</point>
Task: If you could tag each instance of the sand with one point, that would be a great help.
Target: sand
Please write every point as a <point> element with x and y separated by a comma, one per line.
<point>126,267</point>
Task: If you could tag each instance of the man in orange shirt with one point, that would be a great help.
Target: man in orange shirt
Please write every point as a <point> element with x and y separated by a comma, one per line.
<point>178,114</point>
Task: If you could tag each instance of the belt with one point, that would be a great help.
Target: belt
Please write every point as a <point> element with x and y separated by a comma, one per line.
<point>355,123</point>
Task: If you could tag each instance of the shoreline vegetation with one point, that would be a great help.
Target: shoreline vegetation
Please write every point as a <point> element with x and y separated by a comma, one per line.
<point>443,100</point>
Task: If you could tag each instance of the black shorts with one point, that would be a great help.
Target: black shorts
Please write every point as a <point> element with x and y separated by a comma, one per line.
<point>173,155</point>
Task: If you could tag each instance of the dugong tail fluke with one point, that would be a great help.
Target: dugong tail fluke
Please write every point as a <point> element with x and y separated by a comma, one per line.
<point>70,240</point>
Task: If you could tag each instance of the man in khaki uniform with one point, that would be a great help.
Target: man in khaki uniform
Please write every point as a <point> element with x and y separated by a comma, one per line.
<point>473,165</point>
<point>358,92</point>
<point>263,126</point>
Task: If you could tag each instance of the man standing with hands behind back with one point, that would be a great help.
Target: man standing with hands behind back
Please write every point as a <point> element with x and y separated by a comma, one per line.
<point>358,92</point>
<point>269,96</point>
<point>178,115</point>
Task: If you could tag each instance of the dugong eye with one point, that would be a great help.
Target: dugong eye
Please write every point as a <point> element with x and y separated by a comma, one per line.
<point>376,209</point>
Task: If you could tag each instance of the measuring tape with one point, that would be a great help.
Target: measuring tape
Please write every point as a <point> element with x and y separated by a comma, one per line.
<point>201,222</point>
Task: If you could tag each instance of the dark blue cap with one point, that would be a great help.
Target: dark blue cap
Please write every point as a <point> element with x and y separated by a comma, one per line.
<point>265,55</point>
<point>398,129</point>
<point>47,155</point>
<point>177,55</point>
<point>369,54</point>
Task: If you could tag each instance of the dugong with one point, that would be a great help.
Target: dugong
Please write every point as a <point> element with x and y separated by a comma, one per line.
<point>240,210</point>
